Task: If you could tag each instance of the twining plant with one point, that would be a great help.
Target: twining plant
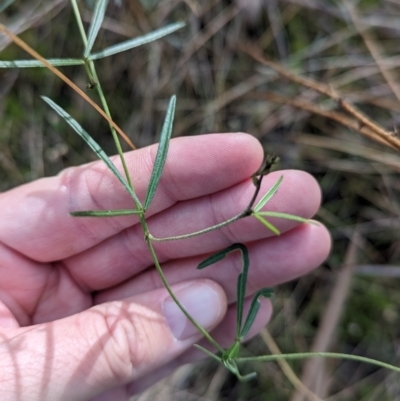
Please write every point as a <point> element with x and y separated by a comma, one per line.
<point>230,356</point>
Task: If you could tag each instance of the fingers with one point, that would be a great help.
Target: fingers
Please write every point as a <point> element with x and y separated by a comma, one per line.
<point>224,334</point>
<point>107,346</point>
<point>127,254</point>
<point>272,261</point>
<point>7,319</point>
<point>38,292</point>
<point>37,214</point>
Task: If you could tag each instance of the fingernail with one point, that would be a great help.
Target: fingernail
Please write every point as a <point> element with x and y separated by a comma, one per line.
<point>202,302</point>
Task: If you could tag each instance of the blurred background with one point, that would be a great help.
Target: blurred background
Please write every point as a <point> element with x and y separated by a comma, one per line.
<point>218,67</point>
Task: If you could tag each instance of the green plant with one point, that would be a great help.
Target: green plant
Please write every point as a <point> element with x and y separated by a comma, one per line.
<point>229,357</point>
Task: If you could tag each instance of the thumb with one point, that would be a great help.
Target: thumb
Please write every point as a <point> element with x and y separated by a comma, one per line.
<point>109,345</point>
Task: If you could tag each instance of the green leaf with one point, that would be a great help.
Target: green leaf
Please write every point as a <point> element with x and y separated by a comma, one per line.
<point>105,213</point>
<point>231,365</point>
<point>286,216</point>
<point>242,279</point>
<point>241,289</point>
<point>135,42</point>
<point>57,62</point>
<point>92,143</point>
<point>95,25</point>
<point>161,153</point>
<point>267,224</point>
<point>248,377</point>
<point>232,352</point>
<point>268,195</point>
<point>254,307</point>
<point>217,256</point>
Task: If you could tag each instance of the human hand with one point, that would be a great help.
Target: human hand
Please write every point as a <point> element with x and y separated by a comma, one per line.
<point>83,313</point>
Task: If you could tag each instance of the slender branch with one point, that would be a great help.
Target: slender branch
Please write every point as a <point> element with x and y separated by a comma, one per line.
<point>204,332</point>
<point>209,353</point>
<point>79,22</point>
<point>341,118</point>
<point>257,182</point>
<point>257,177</point>
<point>196,233</point>
<point>286,368</point>
<point>373,48</point>
<point>92,74</point>
<point>332,355</point>
<point>314,370</point>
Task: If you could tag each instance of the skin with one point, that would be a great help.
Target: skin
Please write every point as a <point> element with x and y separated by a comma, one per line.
<point>83,314</point>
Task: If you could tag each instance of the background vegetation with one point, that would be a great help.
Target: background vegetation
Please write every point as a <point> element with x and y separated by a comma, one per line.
<point>350,304</point>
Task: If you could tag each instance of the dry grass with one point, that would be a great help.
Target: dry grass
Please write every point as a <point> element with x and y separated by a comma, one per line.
<point>318,85</point>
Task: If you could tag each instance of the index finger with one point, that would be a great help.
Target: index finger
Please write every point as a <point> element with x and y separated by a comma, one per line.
<point>36,220</point>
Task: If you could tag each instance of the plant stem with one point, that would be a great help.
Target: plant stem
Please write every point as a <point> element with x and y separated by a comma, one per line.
<point>148,238</point>
<point>173,296</point>
<point>257,182</point>
<point>91,70</point>
<point>333,355</point>
<point>205,230</point>
<point>247,212</point>
<point>207,352</point>
<point>79,22</point>
<point>113,132</point>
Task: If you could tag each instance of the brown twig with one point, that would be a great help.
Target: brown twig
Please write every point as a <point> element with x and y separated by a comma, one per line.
<point>387,159</point>
<point>376,131</point>
<point>373,49</point>
<point>333,115</point>
<point>286,369</point>
<point>313,368</point>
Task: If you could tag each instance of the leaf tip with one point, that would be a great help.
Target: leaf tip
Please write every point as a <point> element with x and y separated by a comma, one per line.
<point>201,265</point>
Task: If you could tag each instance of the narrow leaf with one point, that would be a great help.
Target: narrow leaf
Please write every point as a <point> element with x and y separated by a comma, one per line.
<point>286,216</point>
<point>211,260</point>
<point>231,365</point>
<point>240,295</point>
<point>135,42</point>
<point>216,257</point>
<point>268,195</point>
<point>161,153</point>
<point>57,62</point>
<point>95,25</point>
<point>232,352</point>
<point>248,377</point>
<point>267,224</point>
<point>241,290</point>
<point>241,283</point>
<point>254,307</point>
<point>242,279</point>
<point>92,143</point>
<point>105,213</point>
